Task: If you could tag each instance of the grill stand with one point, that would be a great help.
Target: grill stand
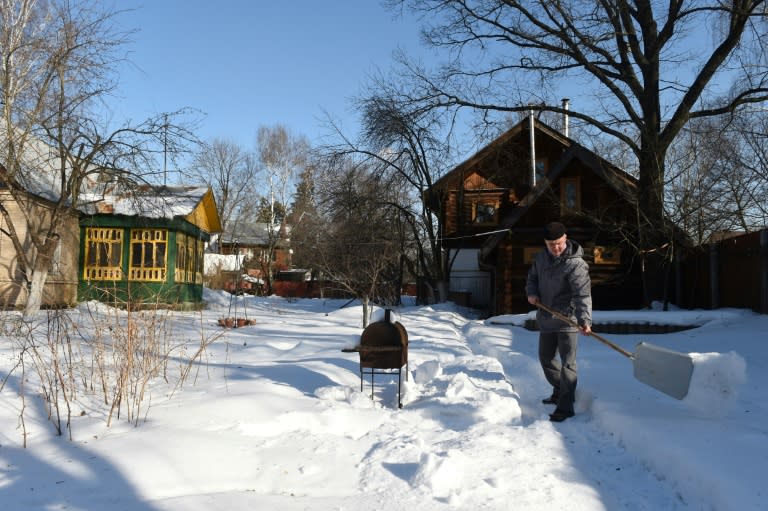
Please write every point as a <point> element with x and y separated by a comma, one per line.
<point>365,370</point>
<point>383,348</point>
<point>372,371</point>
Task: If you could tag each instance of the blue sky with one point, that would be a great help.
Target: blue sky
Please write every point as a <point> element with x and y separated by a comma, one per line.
<point>251,63</point>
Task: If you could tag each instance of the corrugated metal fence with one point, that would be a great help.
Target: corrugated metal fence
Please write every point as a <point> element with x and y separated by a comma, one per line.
<point>476,286</point>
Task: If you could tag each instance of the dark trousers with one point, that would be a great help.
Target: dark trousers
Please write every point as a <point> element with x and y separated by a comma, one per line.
<point>561,374</point>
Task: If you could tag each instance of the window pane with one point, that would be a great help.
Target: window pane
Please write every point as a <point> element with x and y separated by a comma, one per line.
<point>570,195</point>
<point>91,253</point>
<point>137,254</point>
<point>103,257</point>
<point>147,260</point>
<point>115,254</point>
<point>160,255</point>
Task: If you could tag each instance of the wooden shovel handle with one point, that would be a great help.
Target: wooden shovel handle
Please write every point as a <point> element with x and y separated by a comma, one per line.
<point>563,317</point>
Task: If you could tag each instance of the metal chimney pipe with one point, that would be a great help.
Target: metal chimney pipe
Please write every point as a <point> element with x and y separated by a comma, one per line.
<point>533,147</point>
<point>566,102</point>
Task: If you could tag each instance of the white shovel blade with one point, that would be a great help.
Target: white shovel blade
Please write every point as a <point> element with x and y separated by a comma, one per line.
<point>663,369</point>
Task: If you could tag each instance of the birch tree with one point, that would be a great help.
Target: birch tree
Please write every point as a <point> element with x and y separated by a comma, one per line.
<point>283,156</point>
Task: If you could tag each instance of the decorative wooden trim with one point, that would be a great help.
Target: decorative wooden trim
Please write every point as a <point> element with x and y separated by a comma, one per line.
<point>149,255</point>
<point>103,253</point>
<point>485,212</point>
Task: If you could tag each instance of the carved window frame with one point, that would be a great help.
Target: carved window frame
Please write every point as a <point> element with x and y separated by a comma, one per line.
<point>103,253</point>
<point>485,212</point>
<point>606,254</point>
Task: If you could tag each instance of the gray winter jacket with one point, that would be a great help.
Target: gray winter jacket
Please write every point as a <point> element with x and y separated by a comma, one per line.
<point>563,284</point>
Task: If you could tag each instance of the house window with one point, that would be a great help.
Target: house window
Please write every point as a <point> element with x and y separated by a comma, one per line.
<point>190,264</point>
<point>485,213</point>
<point>529,254</point>
<point>197,262</point>
<point>570,195</point>
<point>181,258</point>
<point>103,254</point>
<point>607,255</point>
<point>148,255</point>
<point>189,259</point>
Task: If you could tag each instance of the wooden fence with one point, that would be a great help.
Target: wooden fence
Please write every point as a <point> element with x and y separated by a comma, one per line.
<point>730,273</point>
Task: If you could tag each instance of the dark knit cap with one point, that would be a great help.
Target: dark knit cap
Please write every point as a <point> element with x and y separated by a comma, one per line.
<point>554,231</point>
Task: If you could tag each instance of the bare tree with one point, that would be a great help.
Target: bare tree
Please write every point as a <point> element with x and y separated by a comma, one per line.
<point>694,167</point>
<point>751,131</point>
<point>411,148</point>
<point>650,66</point>
<point>304,220</point>
<point>718,175</point>
<point>232,173</point>
<point>360,247</point>
<point>283,156</point>
<point>57,59</point>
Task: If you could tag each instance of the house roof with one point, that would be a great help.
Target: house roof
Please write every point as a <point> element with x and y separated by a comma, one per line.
<point>41,177</point>
<point>254,234</point>
<point>618,179</point>
<point>194,203</point>
<point>476,161</point>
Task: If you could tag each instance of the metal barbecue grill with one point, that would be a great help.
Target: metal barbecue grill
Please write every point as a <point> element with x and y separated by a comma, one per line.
<point>383,349</point>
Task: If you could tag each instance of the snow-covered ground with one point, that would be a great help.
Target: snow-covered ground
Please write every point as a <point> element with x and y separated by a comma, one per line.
<point>274,418</point>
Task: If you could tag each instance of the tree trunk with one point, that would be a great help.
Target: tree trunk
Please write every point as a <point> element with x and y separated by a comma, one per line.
<point>35,295</point>
<point>36,283</point>
<point>364,301</point>
<point>442,291</point>
<point>653,230</point>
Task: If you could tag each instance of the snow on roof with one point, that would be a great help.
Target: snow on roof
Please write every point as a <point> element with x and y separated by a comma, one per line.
<point>248,234</point>
<point>147,201</point>
<point>40,168</point>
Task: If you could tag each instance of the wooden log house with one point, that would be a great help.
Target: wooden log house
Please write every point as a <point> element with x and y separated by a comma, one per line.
<point>494,205</point>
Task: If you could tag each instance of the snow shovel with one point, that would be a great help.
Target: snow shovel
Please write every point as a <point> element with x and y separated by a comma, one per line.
<point>663,369</point>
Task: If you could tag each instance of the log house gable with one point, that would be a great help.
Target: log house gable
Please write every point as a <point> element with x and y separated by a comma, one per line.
<point>623,184</point>
<point>499,176</point>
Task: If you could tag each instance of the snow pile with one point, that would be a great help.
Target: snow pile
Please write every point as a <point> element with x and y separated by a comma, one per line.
<point>443,473</point>
<point>715,382</point>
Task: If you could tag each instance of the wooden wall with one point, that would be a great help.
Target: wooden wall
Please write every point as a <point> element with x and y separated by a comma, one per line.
<point>730,273</point>
<point>61,286</point>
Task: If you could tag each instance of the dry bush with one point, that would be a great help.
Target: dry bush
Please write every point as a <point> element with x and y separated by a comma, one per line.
<point>100,356</point>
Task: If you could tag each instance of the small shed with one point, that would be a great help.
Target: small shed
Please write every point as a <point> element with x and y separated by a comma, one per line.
<point>146,247</point>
